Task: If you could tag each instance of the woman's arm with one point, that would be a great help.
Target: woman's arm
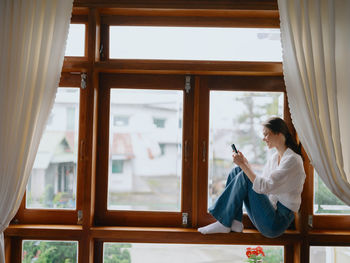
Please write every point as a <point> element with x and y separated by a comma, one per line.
<point>287,177</point>
<point>241,161</point>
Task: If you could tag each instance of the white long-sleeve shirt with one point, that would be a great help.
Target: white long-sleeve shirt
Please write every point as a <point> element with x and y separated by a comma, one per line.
<point>282,182</point>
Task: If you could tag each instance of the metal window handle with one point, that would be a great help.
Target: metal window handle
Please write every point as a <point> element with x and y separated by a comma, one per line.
<point>204,152</point>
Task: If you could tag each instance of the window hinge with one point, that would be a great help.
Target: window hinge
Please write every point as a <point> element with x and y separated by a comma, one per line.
<point>184,219</point>
<point>309,221</point>
<point>83,80</point>
<point>80,217</point>
<point>188,84</point>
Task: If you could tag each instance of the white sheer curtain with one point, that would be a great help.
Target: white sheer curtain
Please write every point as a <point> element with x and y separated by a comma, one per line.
<point>316,62</point>
<point>32,43</point>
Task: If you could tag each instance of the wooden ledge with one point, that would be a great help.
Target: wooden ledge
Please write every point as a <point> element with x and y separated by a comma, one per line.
<point>147,235</point>
<point>45,231</point>
<point>187,235</point>
<point>195,67</point>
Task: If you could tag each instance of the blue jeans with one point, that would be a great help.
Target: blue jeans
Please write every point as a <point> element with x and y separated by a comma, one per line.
<point>269,221</point>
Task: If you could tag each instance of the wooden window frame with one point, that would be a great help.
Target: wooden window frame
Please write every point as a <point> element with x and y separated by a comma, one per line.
<point>329,222</point>
<point>97,14</point>
<point>103,216</point>
<point>227,83</point>
<point>61,216</point>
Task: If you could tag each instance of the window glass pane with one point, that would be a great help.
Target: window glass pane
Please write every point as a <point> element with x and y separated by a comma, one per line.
<point>325,202</point>
<point>236,117</point>
<point>329,254</point>
<point>52,183</point>
<point>189,253</point>
<point>145,152</point>
<point>49,251</point>
<point>76,41</point>
<point>195,43</point>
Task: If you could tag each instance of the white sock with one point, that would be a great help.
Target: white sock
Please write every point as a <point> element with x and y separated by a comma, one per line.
<point>237,226</point>
<point>213,228</point>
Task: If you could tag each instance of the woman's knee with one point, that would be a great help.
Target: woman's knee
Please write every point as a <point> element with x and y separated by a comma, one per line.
<point>244,178</point>
<point>236,170</point>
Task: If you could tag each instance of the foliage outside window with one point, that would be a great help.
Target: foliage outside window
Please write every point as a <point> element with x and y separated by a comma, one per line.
<point>40,251</point>
<point>191,253</point>
<point>325,202</point>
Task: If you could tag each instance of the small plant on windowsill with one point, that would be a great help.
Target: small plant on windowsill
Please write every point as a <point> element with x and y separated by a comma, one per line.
<point>255,255</point>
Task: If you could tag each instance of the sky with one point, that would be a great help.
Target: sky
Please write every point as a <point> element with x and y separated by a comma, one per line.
<point>185,43</point>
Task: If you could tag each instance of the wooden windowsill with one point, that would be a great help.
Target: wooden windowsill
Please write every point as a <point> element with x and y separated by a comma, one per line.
<point>147,234</point>
<point>173,235</point>
<point>187,235</point>
<point>44,231</point>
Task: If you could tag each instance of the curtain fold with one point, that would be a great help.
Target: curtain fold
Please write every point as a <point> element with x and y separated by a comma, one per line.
<point>316,61</point>
<point>32,44</point>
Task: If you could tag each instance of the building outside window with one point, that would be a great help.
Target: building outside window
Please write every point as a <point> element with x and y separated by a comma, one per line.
<point>159,122</point>
<point>117,166</point>
<point>120,121</point>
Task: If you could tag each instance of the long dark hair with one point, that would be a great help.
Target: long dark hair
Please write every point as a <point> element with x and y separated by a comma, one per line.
<point>278,125</point>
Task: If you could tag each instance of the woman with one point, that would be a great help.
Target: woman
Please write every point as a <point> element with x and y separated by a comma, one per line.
<point>271,198</point>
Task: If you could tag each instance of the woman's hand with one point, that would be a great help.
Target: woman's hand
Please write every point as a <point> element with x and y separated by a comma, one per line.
<point>239,159</point>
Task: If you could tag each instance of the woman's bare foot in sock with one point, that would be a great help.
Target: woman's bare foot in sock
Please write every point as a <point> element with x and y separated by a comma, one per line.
<point>214,228</point>
<point>237,226</point>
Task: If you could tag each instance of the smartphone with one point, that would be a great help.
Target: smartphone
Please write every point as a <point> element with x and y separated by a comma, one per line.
<point>234,147</point>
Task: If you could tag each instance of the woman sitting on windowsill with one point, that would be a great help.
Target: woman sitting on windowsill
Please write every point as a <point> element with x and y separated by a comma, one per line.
<point>271,198</point>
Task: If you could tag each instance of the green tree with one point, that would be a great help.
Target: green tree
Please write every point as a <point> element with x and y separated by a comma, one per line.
<point>251,118</point>
<point>116,253</point>
<point>273,255</point>
<point>49,251</point>
<point>323,196</point>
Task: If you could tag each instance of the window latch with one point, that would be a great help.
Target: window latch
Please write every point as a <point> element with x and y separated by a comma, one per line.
<point>188,84</point>
<point>83,82</point>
